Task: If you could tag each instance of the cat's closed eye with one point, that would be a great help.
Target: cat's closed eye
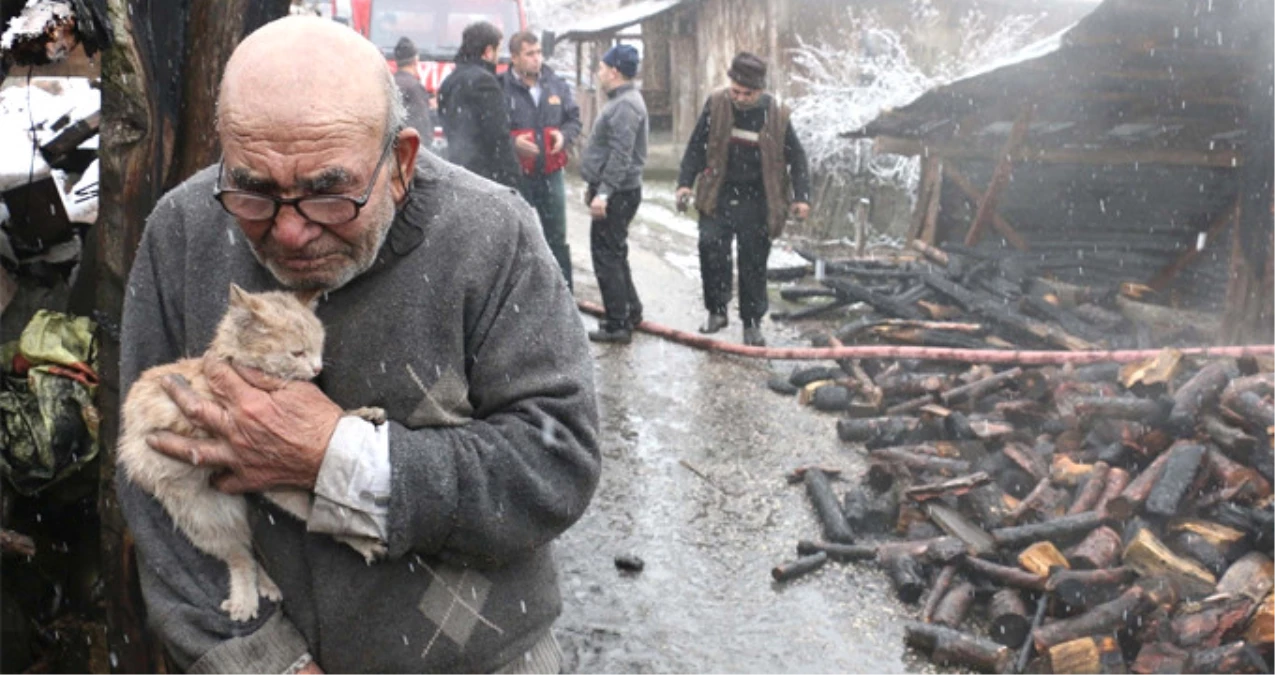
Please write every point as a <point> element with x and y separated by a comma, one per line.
<point>299,353</point>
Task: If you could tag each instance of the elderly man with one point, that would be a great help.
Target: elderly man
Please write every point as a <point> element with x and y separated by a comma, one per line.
<point>430,278</point>
<point>750,173</point>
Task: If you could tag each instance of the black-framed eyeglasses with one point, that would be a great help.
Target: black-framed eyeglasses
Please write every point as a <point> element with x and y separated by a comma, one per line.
<point>321,209</point>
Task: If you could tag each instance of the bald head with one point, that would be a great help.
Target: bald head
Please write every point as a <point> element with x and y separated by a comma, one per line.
<point>303,70</point>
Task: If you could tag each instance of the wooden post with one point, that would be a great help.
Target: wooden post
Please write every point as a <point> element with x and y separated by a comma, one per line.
<point>998,222</point>
<point>151,89</point>
<point>1004,165</point>
<point>1165,276</point>
<point>929,177</point>
<point>929,227</point>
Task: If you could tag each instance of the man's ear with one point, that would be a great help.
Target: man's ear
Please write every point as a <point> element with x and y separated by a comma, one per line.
<point>405,150</point>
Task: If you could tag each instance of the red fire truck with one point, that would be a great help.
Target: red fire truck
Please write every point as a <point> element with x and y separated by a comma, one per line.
<point>434,25</point>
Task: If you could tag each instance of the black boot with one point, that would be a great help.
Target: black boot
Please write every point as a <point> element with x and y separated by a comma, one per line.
<point>617,335</point>
<point>753,337</point>
<point>714,323</point>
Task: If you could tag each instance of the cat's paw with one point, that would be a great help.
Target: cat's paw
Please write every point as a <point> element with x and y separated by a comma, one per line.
<point>242,608</point>
<point>374,415</point>
<point>267,587</point>
<point>371,549</point>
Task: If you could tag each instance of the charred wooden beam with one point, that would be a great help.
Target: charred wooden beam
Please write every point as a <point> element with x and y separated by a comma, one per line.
<point>1121,407</point>
<point>978,541</point>
<point>1166,495</point>
<point>1117,481</point>
<point>829,511</point>
<point>915,460</point>
<point>1236,480</point>
<point>941,583</point>
<point>1236,657</point>
<point>1087,496</point>
<point>974,390</point>
<point>1254,414</point>
<point>799,567</point>
<point>1002,574</point>
<point>1059,530</point>
<point>838,552</point>
<point>1063,470</point>
<point>985,306</point>
<point>868,511</point>
<point>952,647</point>
<point>876,432</point>
<point>1232,440</point>
<point>848,290</point>
<point>1079,588</point>
<point>1199,392</point>
<point>1261,629</point>
<point>989,504</point>
<point>1207,623</point>
<point>948,488</point>
<point>1027,459</point>
<point>1043,493</point>
<point>902,383</point>
<point>1104,618</point>
<point>1250,576</point>
<point>1160,657</point>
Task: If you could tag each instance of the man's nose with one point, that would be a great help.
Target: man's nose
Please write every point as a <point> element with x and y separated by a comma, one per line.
<point>292,230</point>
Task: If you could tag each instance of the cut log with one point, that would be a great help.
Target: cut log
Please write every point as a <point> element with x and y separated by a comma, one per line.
<point>948,488</point>
<point>1199,392</point>
<point>1002,574</point>
<point>1085,588</point>
<point>876,432</point>
<point>1087,655</point>
<point>975,538</point>
<point>1042,494</point>
<point>798,475</point>
<point>1252,413</point>
<point>934,551</point>
<point>1130,501</point>
<point>869,512</point>
<point>849,290</point>
<point>1088,495</point>
<point>933,253</point>
<point>1160,657</point>
<point>832,398</point>
<point>951,647</point>
<point>1027,459</point>
<point>941,583</point>
<point>1237,444</point>
<point>1117,481</point>
<point>1101,549</point>
<point>1063,470</point>
<point>989,504</point>
<point>1236,480</point>
<point>1008,613</point>
<point>909,406</point>
<point>915,460</point>
<point>1150,557</point>
<point>804,376</point>
<point>838,552</point>
<point>1121,408</point>
<point>1209,623</point>
<point>988,307</point>
<point>955,605</point>
<point>1221,536</point>
<point>975,390</point>
<point>829,511</point>
<point>1184,461</point>
<point>907,575</point>
<point>1060,531</point>
<point>1104,618</point>
<point>800,567</point>
<point>902,383</point>
<point>1250,576</point>
<point>1236,657</point>
<point>1040,557</point>
<point>1262,384</point>
<point>1199,549</point>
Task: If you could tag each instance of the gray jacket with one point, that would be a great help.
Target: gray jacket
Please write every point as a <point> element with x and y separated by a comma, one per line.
<point>465,333</point>
<point>617,146</point>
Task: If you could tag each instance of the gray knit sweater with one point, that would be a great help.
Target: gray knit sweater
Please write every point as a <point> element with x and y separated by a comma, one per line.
<point>464,314</point>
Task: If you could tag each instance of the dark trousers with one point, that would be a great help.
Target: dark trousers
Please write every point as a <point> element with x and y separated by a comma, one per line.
<point>740,215</point>
<point>548,197</point>
<point>609,243</point>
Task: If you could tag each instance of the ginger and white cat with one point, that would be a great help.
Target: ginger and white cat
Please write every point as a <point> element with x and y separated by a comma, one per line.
<point>277,333</point>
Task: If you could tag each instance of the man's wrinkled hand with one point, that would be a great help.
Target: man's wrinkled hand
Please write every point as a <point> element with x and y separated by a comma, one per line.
<point>556,141</point>
<point>598,207</point>
<point>525,146</point>
<point>800,210</point>
<point>264,432</point>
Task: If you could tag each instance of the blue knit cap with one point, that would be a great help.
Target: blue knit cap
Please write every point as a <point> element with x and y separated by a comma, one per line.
<point>623,58</point>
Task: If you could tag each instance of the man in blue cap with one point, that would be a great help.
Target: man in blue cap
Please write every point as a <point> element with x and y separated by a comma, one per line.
<point>612,166</point>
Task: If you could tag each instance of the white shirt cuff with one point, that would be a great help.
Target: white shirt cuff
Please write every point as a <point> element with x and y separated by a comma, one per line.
<point>352,491</point>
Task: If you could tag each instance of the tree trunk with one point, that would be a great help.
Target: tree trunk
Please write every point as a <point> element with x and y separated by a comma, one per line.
<point>158,95</point>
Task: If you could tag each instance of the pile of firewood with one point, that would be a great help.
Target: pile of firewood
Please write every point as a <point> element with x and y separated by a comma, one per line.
<point>1096,519</point>
<point>964,298</point>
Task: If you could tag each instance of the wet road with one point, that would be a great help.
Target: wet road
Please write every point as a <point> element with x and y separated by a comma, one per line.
<point>705,601</point>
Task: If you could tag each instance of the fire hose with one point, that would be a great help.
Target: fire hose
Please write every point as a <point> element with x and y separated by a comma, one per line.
<point>1019,356</point>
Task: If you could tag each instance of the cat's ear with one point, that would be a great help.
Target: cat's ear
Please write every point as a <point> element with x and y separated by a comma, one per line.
<point>309,298</point>
<point>240,298</point>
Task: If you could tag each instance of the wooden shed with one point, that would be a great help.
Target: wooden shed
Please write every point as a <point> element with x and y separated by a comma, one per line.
<point>1133,148</point>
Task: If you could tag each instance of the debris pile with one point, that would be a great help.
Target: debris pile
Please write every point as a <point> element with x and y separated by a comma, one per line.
<point>966,298</point>
<point>1100,518</point>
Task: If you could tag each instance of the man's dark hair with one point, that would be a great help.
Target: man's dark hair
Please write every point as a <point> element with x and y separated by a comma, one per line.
<point>477,38</point>
<point>517,40</point>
